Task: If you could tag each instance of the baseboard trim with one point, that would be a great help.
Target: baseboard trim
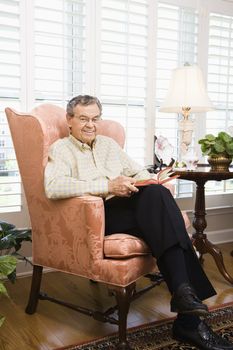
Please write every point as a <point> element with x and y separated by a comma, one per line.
<point>218,237</point>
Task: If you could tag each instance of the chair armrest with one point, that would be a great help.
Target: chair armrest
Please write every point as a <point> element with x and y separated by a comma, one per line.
<point>69,233</point>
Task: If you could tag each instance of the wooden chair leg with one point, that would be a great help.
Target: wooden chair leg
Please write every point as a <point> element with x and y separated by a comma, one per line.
<point>123,296</point>
<point>35,290</point>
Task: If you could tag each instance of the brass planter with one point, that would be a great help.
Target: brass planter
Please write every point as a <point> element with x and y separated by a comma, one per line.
<point>220,163</point>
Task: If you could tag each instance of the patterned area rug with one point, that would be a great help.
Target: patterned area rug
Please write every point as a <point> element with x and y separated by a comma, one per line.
<point>158,336</point>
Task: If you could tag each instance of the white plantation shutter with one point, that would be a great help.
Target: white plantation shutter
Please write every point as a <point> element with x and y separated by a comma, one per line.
<point>123,69</point>
<point>10,91</point>
<point>123,51</point>
<point>43,60</point>
<point>220,73</point>
<point>59,49</point>
<point>220,82</point>
<point>177,31</point>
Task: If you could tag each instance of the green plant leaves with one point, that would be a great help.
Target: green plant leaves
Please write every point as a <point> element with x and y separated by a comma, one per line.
<point>210,137</point>
<point>10,237</point>
<point>2,318</point>
<point>220,145</point>
<point>224,137</point>
<point>5,226</point>
<point>12,276</point>
<point>7,265</point>
<point>229,148</point>
<point>3,289</point>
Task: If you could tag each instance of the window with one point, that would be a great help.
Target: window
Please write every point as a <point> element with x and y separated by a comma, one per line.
<point>123,69</point>
<point>59,45</point>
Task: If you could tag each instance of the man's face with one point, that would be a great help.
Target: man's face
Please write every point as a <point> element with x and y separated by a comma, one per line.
<point>83,123</point>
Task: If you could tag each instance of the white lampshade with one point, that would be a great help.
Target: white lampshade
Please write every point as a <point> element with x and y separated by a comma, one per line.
<point>187,89</point>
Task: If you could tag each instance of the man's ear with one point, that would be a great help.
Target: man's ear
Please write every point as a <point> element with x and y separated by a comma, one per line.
<point>68,118</point>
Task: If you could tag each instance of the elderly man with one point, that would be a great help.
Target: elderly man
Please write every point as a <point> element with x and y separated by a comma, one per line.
<point>85,163</point>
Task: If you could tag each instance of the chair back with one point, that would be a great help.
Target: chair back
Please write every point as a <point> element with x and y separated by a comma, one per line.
<point>34,132</point>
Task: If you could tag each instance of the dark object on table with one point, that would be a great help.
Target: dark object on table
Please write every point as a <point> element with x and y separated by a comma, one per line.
<point>158,165</point>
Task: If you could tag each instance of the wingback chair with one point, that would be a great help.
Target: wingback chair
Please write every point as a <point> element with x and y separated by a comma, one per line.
<point>68,234</point>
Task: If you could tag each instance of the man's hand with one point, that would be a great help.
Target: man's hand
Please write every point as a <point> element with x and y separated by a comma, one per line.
<point>122,186</point>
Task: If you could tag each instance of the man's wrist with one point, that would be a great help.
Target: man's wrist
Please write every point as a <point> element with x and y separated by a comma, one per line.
<point>110,187</point>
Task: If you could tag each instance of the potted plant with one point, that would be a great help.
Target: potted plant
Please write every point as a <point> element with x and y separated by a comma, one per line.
<point>219,150</point>
<point>11,240</point>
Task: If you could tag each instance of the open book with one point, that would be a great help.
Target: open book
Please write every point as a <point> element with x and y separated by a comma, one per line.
<point>163,176</point>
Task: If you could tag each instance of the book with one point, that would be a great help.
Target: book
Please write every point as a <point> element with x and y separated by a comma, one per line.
<point>163,176</point>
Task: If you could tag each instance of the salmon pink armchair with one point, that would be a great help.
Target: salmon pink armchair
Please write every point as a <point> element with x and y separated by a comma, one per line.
<point>68,234</point>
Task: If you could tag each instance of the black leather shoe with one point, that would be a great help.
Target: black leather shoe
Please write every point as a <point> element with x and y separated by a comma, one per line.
<point>185,301</point>
<point>203,337</point>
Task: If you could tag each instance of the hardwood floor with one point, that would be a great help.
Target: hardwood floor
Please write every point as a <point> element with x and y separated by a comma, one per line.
<point>56,326</point>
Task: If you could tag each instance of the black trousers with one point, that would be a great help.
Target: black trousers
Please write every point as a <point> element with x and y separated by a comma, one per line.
<point>153,215</point>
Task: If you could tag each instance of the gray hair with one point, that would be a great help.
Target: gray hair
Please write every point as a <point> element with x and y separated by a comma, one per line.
<point>83,100</point>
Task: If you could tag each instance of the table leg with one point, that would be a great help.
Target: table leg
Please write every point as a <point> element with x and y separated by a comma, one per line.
<point>200,241</point>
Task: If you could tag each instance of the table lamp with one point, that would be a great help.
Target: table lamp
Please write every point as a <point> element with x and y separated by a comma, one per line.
<point>186,94</point>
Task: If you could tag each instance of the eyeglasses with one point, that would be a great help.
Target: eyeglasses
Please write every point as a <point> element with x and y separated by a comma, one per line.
<point>85,120</point>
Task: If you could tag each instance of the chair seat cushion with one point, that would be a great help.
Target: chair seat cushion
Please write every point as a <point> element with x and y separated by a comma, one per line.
<point>123,246</point>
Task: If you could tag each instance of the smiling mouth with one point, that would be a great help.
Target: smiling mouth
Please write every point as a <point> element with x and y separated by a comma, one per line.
<point>88,132</point>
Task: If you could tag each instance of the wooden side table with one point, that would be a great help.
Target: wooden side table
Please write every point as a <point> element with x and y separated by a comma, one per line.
<point>200,176</point>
